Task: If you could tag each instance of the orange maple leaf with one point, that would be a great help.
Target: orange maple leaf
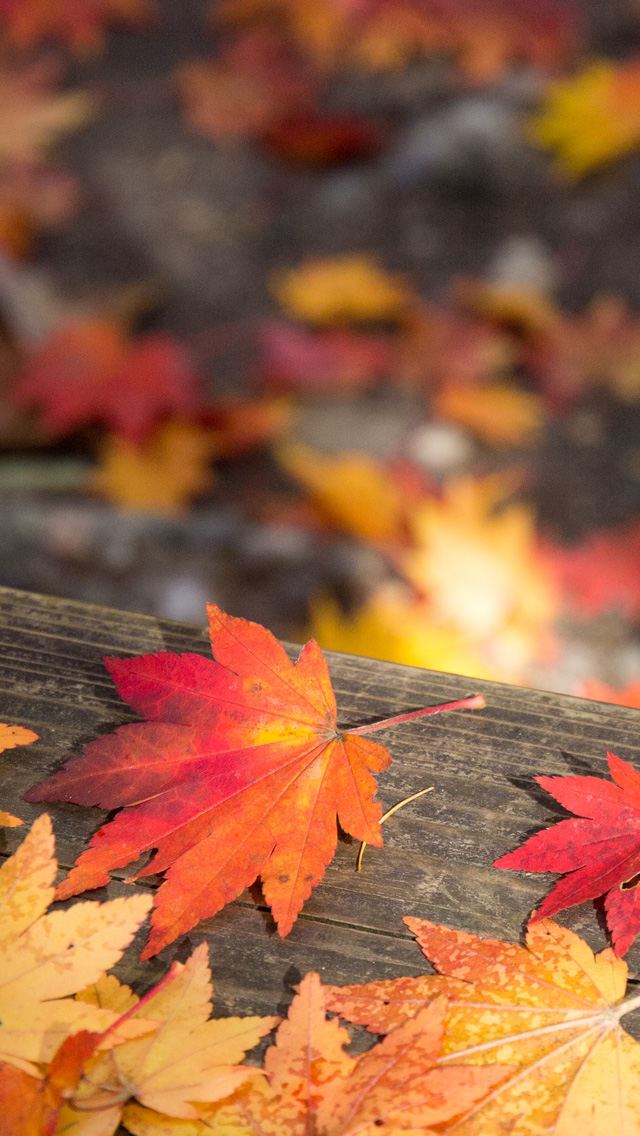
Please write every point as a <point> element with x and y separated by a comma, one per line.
<point>551,1010</point>
<point>79,24</point>
<point>239,771</point>
<point>312,1085</point>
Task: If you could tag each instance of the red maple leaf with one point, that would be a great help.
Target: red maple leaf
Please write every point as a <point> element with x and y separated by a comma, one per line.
<point>239,771</point>
<point>87,371</point>
<point>601,850</point>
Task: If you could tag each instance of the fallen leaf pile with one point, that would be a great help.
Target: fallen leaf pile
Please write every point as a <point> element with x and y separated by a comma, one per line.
<point>58,1059</point>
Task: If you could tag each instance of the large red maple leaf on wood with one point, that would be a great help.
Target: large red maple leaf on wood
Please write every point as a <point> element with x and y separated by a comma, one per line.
<point>238,772</point>
<point>601,850</point>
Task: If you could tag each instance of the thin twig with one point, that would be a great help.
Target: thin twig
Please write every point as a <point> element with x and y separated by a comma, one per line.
<point>390,812</point>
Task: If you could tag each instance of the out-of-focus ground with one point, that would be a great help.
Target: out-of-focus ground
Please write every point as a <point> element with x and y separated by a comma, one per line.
<point>195,228</point>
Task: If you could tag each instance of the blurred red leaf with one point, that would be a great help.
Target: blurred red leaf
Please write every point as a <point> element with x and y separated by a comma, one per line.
<point>87,372</point>
<point>315,139</point>
<point>602,573</point>
<point>293,358</point>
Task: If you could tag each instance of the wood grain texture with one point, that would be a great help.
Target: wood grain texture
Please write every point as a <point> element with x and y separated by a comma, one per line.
<point>438,851</point>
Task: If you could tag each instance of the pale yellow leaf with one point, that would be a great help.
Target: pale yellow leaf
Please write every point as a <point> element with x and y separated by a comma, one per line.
<point>25,881</point>
<point>46,957</point>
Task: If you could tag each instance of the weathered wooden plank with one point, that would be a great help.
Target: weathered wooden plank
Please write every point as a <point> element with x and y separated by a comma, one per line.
<point>439,850</point>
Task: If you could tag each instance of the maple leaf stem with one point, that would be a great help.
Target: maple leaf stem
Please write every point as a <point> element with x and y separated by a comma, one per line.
<point>628,1005</point>
<point>475,702</point>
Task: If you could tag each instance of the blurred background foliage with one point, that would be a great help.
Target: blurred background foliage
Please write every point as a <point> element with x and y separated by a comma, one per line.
<point>327,311</point>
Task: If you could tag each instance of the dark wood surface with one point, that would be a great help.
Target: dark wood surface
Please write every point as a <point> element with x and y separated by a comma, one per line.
<point>438,850</point>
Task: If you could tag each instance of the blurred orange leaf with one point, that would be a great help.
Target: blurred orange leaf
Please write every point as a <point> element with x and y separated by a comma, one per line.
<point>600,692</point>
<point>79,24</point>
<point>484,36</point>
<point>499,414</point>
<point>253,85</point>
<point>342,289</point>
<point>477,559</point>
<point>395,626</point>
<point>352,490</point>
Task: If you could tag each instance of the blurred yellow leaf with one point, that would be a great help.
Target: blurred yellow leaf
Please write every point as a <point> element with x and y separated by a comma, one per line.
<point>478,561</point>
<point>341,289</point>
<point>591,118</point>
<point>162,475</point>
<point>396,627</point>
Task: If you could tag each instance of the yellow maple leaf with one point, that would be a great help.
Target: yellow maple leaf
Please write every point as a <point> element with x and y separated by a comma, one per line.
<point>351,489</point>
<point>190,1058</point>
<point>498,413</point>
<point>552,1010</point>
<point>341,289</point>
<point>591,118</point>
<point>44,958</point>
<point>162,475</point>
<point>394,626</point>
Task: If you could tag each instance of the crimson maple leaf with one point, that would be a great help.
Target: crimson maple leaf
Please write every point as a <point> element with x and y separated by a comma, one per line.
<point>601,850</point>
<point>87,371</point>
<point>239,771</point>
